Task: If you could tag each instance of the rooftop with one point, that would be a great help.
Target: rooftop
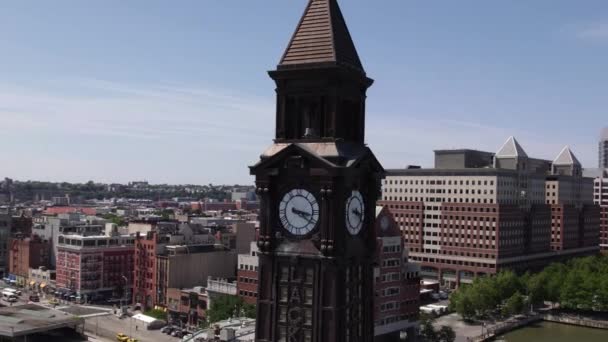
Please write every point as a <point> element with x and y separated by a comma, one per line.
<point>30,318</point>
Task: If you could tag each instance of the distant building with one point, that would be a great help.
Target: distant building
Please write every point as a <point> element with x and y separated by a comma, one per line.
<point>61,201</point>
<point>603,149</point>
<point>245,234</point>
<point>5,228</point>
<point>27,253</point>
<point>473,215</point>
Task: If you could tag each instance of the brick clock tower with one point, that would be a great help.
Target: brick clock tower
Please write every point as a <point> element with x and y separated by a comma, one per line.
<point>318,184</point>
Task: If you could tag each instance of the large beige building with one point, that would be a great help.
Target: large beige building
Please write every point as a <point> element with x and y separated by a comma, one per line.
<point>477,212</point>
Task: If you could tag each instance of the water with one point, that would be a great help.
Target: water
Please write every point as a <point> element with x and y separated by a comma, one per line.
<point>555,332</point>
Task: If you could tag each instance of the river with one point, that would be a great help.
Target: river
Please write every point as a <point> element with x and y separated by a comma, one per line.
<point>556,332</point>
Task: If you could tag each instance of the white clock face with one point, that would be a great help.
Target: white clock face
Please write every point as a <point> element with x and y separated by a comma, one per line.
<point>355,213</point>
<point>299,212</point>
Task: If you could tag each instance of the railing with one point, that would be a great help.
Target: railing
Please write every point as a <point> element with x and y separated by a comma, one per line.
<point>504,327</point>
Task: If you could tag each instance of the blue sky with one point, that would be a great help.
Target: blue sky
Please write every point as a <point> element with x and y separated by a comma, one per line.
<point>177,91</point>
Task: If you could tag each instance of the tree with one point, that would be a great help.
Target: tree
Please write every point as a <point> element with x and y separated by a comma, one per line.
<point>446,334</point>
<point>156,313</point>
<point>428,331</point>
<point>506,284</point>
<point>514,305</point>
<point>536,288</point>
<point>225,307</point>
<point>460,301</point>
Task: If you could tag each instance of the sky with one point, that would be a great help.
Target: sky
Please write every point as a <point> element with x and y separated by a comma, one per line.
<point>178,92</point>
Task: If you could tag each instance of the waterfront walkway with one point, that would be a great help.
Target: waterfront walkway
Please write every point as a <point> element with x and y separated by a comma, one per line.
<point>478,331</point>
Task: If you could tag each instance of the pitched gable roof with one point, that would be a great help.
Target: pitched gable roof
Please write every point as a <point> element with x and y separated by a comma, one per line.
<point>566,157</point>
<point>321,37</point>
<point>604,134</point>
<point>511,149</point>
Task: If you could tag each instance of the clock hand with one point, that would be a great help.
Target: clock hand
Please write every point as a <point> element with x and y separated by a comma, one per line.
<point>299,212</point>
<point>357,212</point>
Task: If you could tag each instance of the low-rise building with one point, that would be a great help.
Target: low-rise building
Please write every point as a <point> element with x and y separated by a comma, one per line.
<point>217,287</point>
<point>188,306</point>
<point>27,253</point>
<point>166,260</point>
<point>42,279</point>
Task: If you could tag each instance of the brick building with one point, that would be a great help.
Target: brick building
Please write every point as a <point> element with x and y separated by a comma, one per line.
<point>187,305</point>
<point>165,260</point>
<point>396,282</point>
<point>27,253</point>
<point>95,266</point>
<point>477,212</point>
<point>247,275</point>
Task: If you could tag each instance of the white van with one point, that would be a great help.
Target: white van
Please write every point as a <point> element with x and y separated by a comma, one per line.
<point>15,291</point>
<point>9,296</point>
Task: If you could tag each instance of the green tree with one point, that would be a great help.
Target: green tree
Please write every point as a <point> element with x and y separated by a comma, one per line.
<point>506,284</point>
<point>536,288</point>
<point>461,302</point>
<point>428,331</point>
<point>514,305</point>
<point>225,307</point>
<point>158,314</point>
<point>446,334</point>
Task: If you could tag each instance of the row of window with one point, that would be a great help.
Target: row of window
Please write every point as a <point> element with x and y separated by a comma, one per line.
<point>246,267</point>
<point>391,249</point>
<point>440,182</point>
<point>248,294</point>
<point>454,262</point>
<point>248,280</point>
<point>448,200</point>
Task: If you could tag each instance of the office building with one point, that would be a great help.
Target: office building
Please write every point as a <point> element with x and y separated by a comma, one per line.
<point>475,212</point>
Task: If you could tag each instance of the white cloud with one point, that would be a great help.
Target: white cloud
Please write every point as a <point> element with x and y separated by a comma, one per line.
<point>78,130</point>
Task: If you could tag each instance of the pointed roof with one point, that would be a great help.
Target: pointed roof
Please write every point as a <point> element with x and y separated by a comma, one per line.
<point>321,37</point>
<point>604,134</point>
<point>566,157</point>
<point>511,149</point>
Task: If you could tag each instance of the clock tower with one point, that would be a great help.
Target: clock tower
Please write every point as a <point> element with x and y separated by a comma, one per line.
<point>318,184</point>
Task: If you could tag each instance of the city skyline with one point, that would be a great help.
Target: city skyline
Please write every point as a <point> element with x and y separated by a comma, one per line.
<point>152,109</point>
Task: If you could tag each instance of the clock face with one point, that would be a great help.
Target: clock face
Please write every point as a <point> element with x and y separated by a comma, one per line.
<point>299,212</point>
<point>384,223</point>
<point>355,211</point>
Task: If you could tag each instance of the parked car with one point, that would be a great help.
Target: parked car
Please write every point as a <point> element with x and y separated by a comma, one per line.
<point>435,296</point>
<point>34,298</point>
<point>443,295</point>
<point>167,330</point>
<point>187,337</point>
<point>177,333</point>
